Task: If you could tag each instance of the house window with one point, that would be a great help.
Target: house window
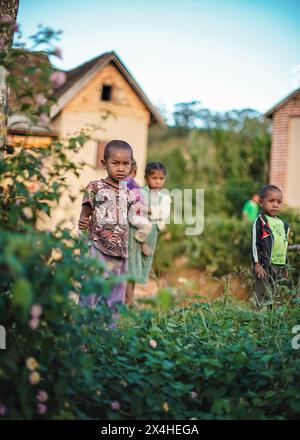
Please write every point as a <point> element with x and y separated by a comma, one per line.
<point>99,153</point>
<point>106,93</point>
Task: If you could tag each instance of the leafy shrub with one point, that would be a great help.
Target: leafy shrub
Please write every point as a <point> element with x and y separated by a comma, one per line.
<point>223,247</point>
<point>46,331</point>
<point>218,361</point>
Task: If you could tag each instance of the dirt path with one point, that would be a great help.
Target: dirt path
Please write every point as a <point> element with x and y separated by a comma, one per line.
<point>194,282</point>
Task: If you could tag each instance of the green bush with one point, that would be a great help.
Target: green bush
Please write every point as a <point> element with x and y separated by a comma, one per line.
<point>40,275</point>
<point>223,247</point>
<point>218,361</point>
<point>202,361</point>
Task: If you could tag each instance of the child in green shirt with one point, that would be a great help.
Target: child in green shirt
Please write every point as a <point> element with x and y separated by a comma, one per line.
<point>269,245</point>
<point>251,208</point>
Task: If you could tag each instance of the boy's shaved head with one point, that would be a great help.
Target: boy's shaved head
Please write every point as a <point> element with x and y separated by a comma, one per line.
<point>268,188</point>
<point>115,145</point>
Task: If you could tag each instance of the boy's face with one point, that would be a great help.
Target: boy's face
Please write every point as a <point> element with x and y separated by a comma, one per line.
<point>118,164</point>
<point>271,203</point>
<point>156,179</point>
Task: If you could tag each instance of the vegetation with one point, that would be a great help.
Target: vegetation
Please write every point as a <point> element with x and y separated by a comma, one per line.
<point>41,273</point>
<point>173,358</point>
<point>227,154</point>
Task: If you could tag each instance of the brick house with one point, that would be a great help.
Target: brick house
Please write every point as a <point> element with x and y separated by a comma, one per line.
<point>285,150</point>
<point>103,94</point>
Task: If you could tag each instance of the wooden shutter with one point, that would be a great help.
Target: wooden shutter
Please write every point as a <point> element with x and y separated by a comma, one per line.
<point>100,151</point>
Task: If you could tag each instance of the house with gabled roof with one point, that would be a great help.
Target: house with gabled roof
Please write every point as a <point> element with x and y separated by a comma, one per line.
<point>285,150</point>
<point>103,96</point>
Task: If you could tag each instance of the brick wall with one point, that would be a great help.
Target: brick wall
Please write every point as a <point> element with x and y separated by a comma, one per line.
<point>280,141</point>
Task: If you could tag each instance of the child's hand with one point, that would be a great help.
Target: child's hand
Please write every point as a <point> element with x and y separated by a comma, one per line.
<point>286,273</point>
<point>259,270</point>
<point>83,223</point>
<point>143,208</point>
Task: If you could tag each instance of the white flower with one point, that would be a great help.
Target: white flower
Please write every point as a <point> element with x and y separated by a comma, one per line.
<point>153,343</point>
<point>34,323</point>
<point>31,363</point>
<point>40,99</point>
<point>44,119</point>
<point>115,406</point>
<point>57,78</point>
<point>36,310</point>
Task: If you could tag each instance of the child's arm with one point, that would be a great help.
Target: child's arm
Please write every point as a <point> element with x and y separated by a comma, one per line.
<point>87,207</point>
<point>137,207</point>
<point>288,247</point>
<point>84,219</point>
<point>288,239</point>
<point>258,268</point>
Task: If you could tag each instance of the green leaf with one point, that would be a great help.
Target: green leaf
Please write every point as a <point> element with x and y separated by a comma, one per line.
<point>22,293</point>
<point>61,386</point>
<point>217,406</point>
<point>165,299</point>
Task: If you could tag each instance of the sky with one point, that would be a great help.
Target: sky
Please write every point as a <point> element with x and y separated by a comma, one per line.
<point>224,53</point>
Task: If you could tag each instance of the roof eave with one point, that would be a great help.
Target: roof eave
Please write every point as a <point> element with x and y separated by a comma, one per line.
<point>113,57</point>
<point>269,113</point>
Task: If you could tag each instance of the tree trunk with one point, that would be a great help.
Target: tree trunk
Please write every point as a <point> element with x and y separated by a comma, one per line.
<point>3,109</point>
<point>8,15</point>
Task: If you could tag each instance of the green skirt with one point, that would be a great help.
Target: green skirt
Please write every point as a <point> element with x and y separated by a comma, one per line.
<point>139,265</point>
